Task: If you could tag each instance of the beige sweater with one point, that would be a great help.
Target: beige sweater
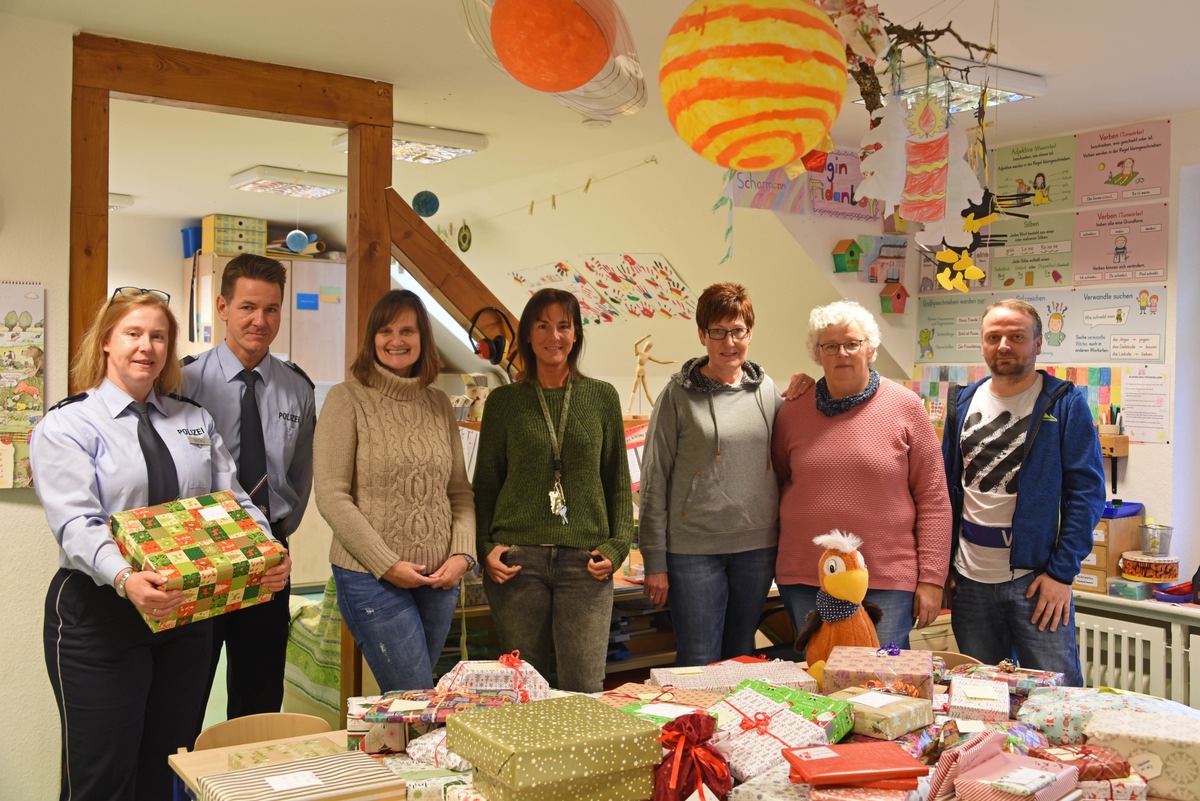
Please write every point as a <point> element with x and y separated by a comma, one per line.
<point>390,478</point>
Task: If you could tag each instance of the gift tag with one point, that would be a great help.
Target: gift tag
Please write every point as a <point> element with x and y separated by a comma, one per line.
<point>811,754</point>
<point>981,692</point>
<point>212,513</point>
<point>291,781</point>
<point>671,711</point>
<point>406,705</point>
<point>709,795</point>
<point>1023,781</point>
<point>1149,764</point>
<point>688,671</point>
<point>970,726</point>
<point>875,700</point>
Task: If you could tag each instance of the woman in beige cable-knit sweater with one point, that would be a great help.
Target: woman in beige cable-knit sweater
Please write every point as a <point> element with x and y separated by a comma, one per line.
<point>391,482</point>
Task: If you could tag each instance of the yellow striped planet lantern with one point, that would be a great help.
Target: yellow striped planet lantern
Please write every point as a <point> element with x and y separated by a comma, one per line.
<point>753,84</point>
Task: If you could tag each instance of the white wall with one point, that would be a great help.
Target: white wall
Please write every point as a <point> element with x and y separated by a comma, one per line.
<point>35,188</point>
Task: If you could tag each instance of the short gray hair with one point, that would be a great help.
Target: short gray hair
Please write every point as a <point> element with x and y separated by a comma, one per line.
<point>842,312</point>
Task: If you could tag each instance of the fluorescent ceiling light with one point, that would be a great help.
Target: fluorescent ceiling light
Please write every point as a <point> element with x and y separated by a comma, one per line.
<point>117,202</point>
<point>963,83</point>
<point>424,144</point>
<point>281,181</point>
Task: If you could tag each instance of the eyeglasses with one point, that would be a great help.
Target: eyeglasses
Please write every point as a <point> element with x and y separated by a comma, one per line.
<point>832,348</point>
<point>720,333</point>
<point>131,292</point>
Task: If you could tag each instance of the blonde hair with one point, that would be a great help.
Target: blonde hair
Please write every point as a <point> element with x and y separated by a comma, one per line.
<point>90,365</point>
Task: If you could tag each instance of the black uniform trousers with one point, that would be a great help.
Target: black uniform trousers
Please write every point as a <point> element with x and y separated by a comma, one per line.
<point>255,640</point>
<point>127,697</point>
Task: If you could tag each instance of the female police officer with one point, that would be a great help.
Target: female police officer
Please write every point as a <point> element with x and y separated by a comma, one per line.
<point>127,697</point>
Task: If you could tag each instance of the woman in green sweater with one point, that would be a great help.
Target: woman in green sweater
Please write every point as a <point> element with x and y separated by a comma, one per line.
<point>392,484</point>
<point>553,506</point>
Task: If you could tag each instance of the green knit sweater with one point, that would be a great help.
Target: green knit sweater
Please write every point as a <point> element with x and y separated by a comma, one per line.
<point>514,471</point>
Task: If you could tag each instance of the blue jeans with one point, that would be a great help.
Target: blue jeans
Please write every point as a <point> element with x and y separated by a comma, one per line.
<point>897,606</point>
<point>994,622</point>
<point>715,602</point>
<point>400,631</point>
<point>554,603</point>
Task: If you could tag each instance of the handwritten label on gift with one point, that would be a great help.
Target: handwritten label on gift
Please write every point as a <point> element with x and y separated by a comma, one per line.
<point>406,705</point>
<point>820,752</point>
<point>875,700</point>
<point>971,726</point>
<point>211,513</point>
<point>1149,764</point>
<point>688,671</point>
<point>671,711</point>
<point>291,781</point>
<point>981,692</point>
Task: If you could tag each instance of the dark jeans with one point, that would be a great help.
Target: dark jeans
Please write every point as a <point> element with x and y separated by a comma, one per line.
<point>400,631</point>
<point>554,603</point>
<point>995,621</point>
<point>897,606</point>
<point>127,697</point>
<point>715,602</point>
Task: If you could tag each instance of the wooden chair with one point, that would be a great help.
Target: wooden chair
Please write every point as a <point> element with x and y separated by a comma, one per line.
<point>954,659</point>
<point>256,728</point>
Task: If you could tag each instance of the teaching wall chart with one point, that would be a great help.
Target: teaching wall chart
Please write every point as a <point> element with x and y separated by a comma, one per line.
<point>1124,164</point>
<point>1100,324</point>
<point>1036,252</point>
<point>1121,245</point>
<point>1043,169</point>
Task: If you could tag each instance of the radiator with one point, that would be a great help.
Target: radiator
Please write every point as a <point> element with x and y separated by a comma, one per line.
<point>1123,654</point>
<point>1194,667</point>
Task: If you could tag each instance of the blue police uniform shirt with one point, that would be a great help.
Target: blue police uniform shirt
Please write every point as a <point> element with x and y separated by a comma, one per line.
<point>287,409</point>
<point>87,464</point>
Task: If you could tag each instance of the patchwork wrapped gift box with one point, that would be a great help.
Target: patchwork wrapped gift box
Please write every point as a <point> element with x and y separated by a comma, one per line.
<point>1062,712</point>
<point>573,747</point>
<point>850,666</point>
<point>433,706</point>
<point>756,728</point>
<point>632,692</point>
<point>356,727</point>
<point>1019,680</point>
<point>509,672</point>
<point>885,716</point>
<point>1093,763</point>
<point>207,546</point>
<point>1164,749</point>
<point>723,677</point>
<point>834,715</point>
<point>978,699</point>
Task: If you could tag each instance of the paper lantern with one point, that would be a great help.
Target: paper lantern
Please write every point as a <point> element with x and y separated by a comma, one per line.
<point>753,84</point>
<point>548,45</point>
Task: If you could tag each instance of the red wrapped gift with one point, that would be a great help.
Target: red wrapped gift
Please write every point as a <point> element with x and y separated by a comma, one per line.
<point>692,764</point>
<point>852,763</point>
<point>1094,763</point>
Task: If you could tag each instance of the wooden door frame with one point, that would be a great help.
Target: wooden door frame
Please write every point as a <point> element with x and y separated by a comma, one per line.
<point>106,68</point>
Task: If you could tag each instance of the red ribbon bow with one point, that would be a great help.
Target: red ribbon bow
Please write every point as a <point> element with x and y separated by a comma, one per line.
<point>513,661</point>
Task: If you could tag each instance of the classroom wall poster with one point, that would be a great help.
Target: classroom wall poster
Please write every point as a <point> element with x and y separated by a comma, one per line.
<point>771,190</point>
<point>1045,169</point>
<point>1125,245</point>
<point>616,286</point>
<point>22,377</point>
<point>1123,164</point>
<point>1090,325</point>
<point>834,189</point>
<point>1146,403</point>
<point>1036,252</point>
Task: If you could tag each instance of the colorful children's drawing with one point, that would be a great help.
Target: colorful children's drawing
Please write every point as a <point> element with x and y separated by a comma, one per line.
<point>22,378</point>
<point>1055,335</point>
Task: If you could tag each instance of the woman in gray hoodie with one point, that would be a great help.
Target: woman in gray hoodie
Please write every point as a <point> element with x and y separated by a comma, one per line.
<point>709,522</point>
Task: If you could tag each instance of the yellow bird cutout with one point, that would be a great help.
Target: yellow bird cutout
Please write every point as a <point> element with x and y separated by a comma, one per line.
<point>960,266</point>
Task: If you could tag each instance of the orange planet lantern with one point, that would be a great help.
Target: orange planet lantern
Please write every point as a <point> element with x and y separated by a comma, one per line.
<point>753,84</point>
<point>548,45</point>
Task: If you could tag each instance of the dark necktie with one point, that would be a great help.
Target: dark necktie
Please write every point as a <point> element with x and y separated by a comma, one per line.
<point>161,480</point>
<point>252,458</point>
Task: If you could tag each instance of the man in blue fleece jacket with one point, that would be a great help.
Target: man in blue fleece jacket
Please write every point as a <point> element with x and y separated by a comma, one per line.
<point>1026,484</point>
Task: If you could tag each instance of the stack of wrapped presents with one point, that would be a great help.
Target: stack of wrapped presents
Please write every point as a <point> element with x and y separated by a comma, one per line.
<point>890,726</point>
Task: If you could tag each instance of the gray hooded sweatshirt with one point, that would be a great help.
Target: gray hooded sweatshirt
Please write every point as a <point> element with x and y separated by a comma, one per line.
<point>707,482</point>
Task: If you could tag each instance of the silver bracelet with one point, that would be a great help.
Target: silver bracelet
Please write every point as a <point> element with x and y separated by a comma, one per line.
<point>121,583</point>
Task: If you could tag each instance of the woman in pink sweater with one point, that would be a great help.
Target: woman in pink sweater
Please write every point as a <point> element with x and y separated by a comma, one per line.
<point>860,455</point>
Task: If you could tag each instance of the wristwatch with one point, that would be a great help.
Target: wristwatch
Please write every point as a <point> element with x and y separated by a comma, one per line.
<point>470,560</point>
<point>120,587</point>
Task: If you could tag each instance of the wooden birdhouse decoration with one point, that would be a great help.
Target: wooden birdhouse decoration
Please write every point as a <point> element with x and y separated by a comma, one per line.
<point>846,256</point>
<point>892,298</point>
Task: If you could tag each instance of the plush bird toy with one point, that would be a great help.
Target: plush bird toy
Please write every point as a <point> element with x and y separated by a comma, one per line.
<point>842,617</point>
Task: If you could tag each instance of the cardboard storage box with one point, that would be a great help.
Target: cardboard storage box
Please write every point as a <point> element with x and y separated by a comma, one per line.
<point>207,546</point>
<point>225,233</point>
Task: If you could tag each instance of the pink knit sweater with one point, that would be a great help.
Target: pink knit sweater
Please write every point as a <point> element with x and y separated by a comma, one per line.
<point>875,471</point>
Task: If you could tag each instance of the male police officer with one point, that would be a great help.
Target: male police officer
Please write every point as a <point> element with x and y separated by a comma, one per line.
<point>265,411</point>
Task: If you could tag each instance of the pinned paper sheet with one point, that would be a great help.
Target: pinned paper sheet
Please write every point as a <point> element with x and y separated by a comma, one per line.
<point>331,294</point>
<point>307,301</point>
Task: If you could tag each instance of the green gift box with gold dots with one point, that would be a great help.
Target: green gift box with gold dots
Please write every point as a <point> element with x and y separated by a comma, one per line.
<point>573,747</point>
<point>206,546</point>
